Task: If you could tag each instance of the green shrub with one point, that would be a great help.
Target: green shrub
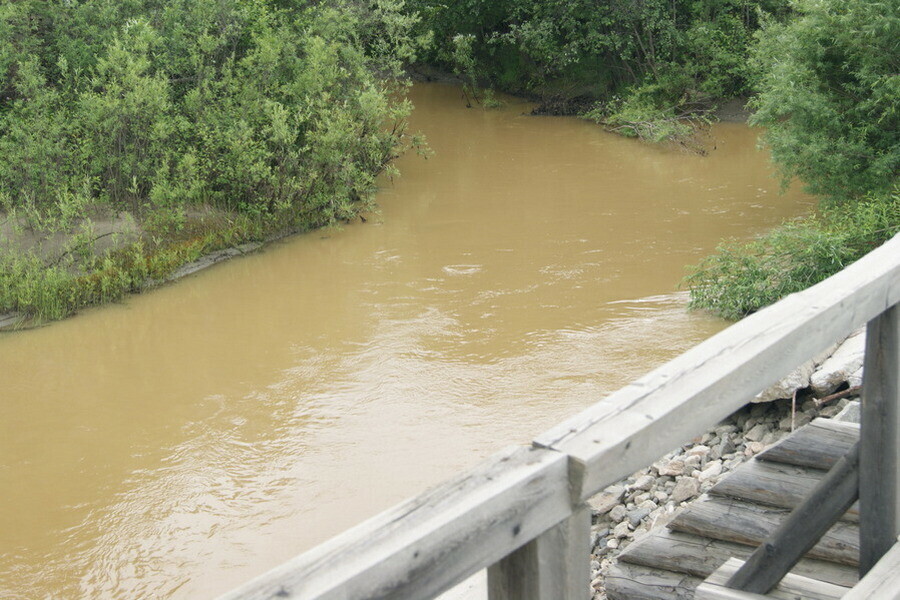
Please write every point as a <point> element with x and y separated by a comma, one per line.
<point>279,114</point>
<point>741,278</point>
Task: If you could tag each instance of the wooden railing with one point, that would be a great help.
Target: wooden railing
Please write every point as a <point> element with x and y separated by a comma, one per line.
<point>522,513</point>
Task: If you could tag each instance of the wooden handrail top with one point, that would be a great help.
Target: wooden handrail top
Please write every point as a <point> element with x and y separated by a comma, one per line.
<point>428,544</point>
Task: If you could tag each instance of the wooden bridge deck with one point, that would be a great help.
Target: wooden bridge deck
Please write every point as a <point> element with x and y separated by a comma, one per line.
<point>738,514</point>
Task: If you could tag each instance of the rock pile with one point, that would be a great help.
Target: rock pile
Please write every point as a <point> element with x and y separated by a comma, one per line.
<point>841,364</point>
<point>650,497</point>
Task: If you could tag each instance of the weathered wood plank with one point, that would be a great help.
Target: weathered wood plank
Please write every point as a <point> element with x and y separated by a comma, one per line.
<point>625,581</point>
<point>792,587</point>
<point>641,422</point>
<point>880,476</point>
<point>553,566</point>
<point>710,592</point>
<point>699,556</point>
<point>882,582</point>
<point>773,484</point>
<point>426,545</point>
<point>803,527</point>
<point>817,445</point>
<point>735,521</point>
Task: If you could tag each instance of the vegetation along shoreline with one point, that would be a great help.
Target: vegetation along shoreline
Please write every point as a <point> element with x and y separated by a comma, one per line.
<point>138,137</point>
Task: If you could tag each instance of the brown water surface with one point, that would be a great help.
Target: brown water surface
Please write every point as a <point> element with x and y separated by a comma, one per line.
<point>178,444</point>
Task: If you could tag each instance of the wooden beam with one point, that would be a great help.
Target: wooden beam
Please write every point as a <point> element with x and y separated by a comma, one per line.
<point>818,445</point>
<point>792,587</point>
<point>636,425</point>
<point>879,502</point>
<point>774,484</point>
<point>743,523</point>
<point>624,581</point>
<point>699,556</point>
<point>882,582</point>
<point>428,544</point>
<point>802,529</point>
<point>553,566</point>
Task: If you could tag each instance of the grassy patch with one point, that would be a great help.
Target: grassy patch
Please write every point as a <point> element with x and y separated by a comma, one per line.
<point>741,278</point>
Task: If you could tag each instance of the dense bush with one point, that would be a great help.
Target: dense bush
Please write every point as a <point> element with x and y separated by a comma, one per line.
<point>830,91</point>
<point>662,58</point>
<point>280,111</point>
<point>830,96</point>
<point>741,278</point>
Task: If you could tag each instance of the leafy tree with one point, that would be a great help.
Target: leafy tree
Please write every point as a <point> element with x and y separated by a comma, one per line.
<point>830,99</point>
<point>279,114</point>
<point>830,96</point>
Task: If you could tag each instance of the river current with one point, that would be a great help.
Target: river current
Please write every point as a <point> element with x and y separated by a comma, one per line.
<point>180,442</point>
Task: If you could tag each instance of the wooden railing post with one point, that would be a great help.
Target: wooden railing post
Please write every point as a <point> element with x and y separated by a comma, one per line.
<point>553,566</point>
<point>879,482</point>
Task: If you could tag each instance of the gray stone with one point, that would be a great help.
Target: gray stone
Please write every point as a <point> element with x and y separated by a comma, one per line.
<point>621,530</point>
<point>636,516</point>
<point>685,489</point>
<point>757,433</point>
<point>644,482</point>
<point>618,513</point>
<point>830,411</point>
<point>604,502</point>
<point>726,446</point>
<point>850,413</point>
<point>754,448</point>
<point>771,437</point>
<point>758,411</point>
<point>650,505</point>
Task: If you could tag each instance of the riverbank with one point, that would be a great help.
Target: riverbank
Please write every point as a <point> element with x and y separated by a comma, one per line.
<point>651,497</point>
<point>208,238</point>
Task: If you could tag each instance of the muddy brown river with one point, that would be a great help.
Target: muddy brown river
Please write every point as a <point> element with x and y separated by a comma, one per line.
<point>181,442</point>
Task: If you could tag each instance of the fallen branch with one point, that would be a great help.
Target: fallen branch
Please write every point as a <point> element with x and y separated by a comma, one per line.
<point>852,391</point>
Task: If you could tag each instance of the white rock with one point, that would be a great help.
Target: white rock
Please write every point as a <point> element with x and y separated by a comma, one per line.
<point>672,468</point>
<point>621,530</point>
<point>797,379</point>
<point>841,366</point>
<point>648,504</point>
<point>698,450</point>
<point>713,469</point>
<point>856,379</point>
<point>644,482</point>
<point>754,448</point>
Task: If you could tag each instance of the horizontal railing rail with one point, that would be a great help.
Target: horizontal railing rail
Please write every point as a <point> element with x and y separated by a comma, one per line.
<point>522,515</point>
